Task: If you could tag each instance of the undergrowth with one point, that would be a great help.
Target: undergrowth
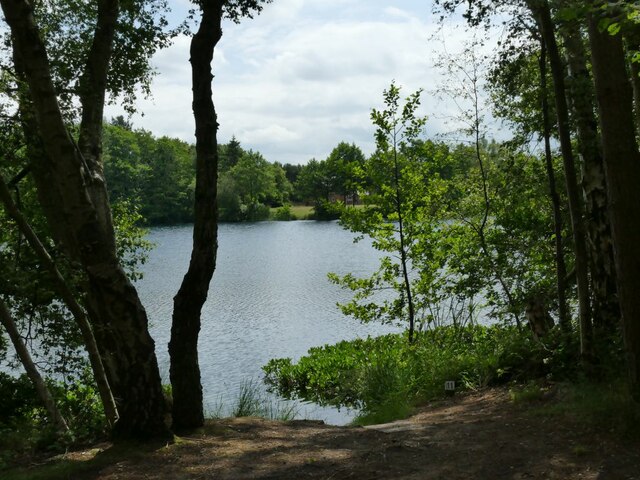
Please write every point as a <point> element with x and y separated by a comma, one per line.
<point>607,407</point>
<point>385,376</point>
<point>24,427</point>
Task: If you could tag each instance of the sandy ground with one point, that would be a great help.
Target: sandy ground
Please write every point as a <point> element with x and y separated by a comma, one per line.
<point>476,436</point>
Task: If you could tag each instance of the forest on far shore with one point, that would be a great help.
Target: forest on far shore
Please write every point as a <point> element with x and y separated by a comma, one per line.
<point>157,177</point>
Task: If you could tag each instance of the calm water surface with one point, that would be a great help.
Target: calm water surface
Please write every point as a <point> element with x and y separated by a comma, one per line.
<point>269,298</point>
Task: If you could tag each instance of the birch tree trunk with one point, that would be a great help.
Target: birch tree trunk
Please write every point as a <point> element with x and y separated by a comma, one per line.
<point>605,307</point>
<point>49,403</point>
<point>187,304</point>
<point>622,167</point>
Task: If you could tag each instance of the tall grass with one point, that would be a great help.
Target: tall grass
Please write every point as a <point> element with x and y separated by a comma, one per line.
<point>252,401</point>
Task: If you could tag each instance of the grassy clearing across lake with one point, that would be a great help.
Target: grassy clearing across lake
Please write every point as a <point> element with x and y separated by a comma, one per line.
<point>294,212</point>
<point>301,212</point>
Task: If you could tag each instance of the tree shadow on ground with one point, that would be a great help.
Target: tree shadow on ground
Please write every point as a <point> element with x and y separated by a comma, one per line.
<point>478,436</point>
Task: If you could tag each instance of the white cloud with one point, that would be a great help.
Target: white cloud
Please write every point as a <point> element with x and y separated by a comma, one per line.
<point>303,76</point>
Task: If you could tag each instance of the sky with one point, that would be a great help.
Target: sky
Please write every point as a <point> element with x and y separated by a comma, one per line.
<point>304,75</point>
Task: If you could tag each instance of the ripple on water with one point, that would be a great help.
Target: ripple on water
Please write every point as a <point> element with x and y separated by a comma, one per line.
<point>269,298</point>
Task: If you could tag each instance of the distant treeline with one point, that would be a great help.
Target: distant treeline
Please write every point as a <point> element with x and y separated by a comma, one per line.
<point>157,175</point>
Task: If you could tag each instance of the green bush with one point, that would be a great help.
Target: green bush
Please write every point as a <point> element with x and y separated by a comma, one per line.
<point>24,426</point>
<point>283,213</point>
<point>384,376</point>
<point>255,212</point>
<point>18,399</point>
<point>325,210</point>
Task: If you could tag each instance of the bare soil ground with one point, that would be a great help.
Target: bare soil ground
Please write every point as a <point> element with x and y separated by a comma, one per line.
<point>476,436</point>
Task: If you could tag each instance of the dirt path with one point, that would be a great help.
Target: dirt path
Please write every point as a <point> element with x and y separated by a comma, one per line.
<point>478,436</point>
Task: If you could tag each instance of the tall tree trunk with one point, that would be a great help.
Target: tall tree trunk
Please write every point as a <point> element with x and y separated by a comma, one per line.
<point>187,304</point>
<point>635,78</point>
<point>49,403</point>
<point>622,167</point>
<point>70,301</point>
<point>92,91</point>
<point>50,200</point>
<point>540,10</point>
<point>120,322</point>
<point>632,36</point>
<point>561,268</point>
<point>605,307</point>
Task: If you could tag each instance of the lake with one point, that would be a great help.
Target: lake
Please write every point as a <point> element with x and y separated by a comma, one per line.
<point>270,297</point>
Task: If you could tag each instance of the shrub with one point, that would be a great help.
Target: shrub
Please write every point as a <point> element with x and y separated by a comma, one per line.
<point>325,210</point>
<point>255,212</point>
<point>24,426</point>
<point>385,375</point>
<point>283,213</point>
<point>18,399</point>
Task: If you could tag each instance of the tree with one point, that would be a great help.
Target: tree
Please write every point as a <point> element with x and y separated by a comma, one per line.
<point>69,298</point>
<point>313,183</point>
<point>169,185</point>
<point>561,268</point>
<point>605,307</point>
<point>72,192</point>
<point>401,215</point>
<point>254,178</point>
<point>156,174</point>
<point>9,325</point>
<point>283,189</point>
<point>292,172</point>
<point>519,87</point>
<point>123,167</point>
<point>464,87</point>
<point>229,204</point>
<point>183,347</point>
<point>343,166</point>
<point>541,12</point>
<point>622,167</point>
<point>230,154</point>
<point>187,304</point>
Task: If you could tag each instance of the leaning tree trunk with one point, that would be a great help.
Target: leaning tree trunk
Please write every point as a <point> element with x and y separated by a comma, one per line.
<point>70,301</point>
<point>561,268</point>
<point>605,307</point>
<point>183,347</point>
<point>622,167</point>
<point>542,14</point>
<point>120,322</point>
<point>49,403</point>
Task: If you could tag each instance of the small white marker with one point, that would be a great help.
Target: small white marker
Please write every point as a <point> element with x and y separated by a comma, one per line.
<point>449,387</point>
